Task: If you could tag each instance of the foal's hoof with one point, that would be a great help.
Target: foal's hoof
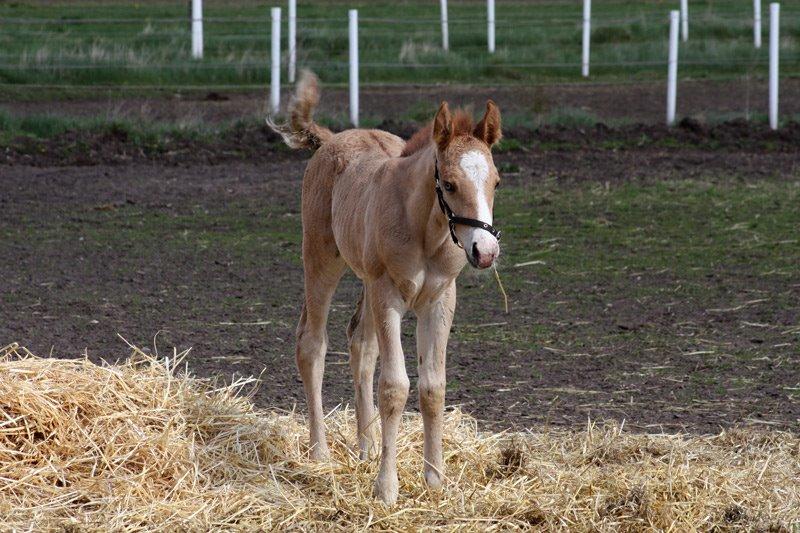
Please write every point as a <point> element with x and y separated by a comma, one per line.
<point>387,490</point>
<point>434,480</point>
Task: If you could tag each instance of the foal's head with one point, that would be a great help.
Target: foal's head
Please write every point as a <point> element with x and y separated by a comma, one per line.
<point>468,176</point>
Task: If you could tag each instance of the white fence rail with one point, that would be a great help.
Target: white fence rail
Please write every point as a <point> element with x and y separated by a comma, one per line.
<point>587,36</point>
<point>774,48</point>
<point>197,29</point>
<point>292,35</point>
<point>275,63</point>
<point>490,25</point>
<point>353,40</point>
<point>684,20</point>
<point>757,23</point>
<point>445,28</point>
<point>672,68</point>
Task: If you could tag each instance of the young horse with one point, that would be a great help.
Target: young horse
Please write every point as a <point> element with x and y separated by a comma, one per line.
<point>398,214</point>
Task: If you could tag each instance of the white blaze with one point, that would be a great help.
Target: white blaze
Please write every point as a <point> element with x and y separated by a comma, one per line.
<point>476,168</point>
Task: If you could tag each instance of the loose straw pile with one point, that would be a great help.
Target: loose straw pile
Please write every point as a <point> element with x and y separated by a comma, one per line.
<point>138,447</point>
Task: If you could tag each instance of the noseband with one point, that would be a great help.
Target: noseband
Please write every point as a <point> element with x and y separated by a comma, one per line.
<point>452,219</point>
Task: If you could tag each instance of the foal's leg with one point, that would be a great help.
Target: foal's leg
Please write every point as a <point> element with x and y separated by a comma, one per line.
<point>387,309</point>
<point>363,355</point>
<point>433,329</point>
<point>322,274</point>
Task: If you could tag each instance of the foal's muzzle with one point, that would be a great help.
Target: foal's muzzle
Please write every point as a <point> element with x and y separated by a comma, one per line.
<point>483,254</point>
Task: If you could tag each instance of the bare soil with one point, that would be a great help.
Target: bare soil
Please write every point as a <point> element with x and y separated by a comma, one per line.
<point>66,292</point>
<point>67,286</point>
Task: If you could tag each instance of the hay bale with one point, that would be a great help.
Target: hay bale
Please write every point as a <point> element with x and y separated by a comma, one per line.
<point>138,446</point>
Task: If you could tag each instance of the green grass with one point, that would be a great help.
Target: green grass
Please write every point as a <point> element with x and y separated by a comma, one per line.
<point>43,126</point>
<point>149,44</point>
<point>650,242</point>
<point>658,244</point>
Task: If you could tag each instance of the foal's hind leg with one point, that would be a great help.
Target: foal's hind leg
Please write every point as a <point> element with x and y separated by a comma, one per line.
<point>363,356</point>
<point>323,270</point>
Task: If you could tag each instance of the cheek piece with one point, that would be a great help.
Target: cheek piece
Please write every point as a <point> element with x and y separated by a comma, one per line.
<point>452,219</point>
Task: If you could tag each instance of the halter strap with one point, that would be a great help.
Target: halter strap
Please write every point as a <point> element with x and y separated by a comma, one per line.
<point>452,219</point>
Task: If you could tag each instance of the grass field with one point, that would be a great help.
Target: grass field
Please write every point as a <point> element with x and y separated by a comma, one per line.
<point>148,43</point>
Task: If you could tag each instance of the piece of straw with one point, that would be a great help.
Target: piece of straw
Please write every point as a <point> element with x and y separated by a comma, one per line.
<point>502,290</point>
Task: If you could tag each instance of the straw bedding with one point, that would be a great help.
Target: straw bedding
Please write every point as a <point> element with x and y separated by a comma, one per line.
<point>141,446</point>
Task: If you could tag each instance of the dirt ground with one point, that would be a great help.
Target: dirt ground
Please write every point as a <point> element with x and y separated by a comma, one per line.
<point>71,292</point>
<point>91,249</point>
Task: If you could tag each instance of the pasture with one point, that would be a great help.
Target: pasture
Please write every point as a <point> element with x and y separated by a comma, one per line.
<point>646,376</point>
<point>129,45</point>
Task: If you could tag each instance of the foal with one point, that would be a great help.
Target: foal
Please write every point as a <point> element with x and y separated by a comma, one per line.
<point>398,214</point>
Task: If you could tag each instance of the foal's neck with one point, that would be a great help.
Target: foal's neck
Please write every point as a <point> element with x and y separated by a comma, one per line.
<point>421,203</point>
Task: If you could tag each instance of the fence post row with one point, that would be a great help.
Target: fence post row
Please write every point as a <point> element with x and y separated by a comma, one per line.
<point>445,34</point>
<point>672,69</point>
<point>757,23</point>
<point>292,44</point>
<point>353,35</point>
<point>684,20</point>
<point>587,35</point>
<point>275,63</point>
<point>490,25</point>
<point>197,29</point>
<point>774,41</point>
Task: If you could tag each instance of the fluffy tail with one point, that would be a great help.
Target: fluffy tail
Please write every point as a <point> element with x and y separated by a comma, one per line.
<point>301,131</point>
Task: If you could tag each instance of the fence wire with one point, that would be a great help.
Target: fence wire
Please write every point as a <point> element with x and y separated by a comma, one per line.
<point>393,49</point>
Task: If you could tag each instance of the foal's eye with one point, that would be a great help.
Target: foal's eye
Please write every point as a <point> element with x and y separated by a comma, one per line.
<point>449,187</point>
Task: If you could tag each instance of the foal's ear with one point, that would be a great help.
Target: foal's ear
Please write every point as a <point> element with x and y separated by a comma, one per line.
<point>443,126</point>
<point>488,129</point>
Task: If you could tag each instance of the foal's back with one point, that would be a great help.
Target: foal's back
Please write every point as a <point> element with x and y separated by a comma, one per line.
<point>340,180</point>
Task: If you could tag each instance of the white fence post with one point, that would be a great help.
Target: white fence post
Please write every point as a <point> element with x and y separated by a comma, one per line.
<point>197,29</point>
<point>445,33</point>
<point>353,27</point>
<point>275,62</point>
<point>490,24</point>
<point>774,25</point>
<point>757,23</point>
<point>672,70</point>
<point>587,35</point>
<point>684,20</point>
<point>292,39</point>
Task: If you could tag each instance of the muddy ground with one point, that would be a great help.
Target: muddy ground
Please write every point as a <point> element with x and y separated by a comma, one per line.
<point>197,245</point>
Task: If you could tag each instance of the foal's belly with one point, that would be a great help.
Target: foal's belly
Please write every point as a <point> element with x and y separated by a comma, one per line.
<point>348,226</point>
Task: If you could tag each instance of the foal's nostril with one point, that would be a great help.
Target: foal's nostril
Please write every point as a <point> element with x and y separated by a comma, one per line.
<point>475,253</point>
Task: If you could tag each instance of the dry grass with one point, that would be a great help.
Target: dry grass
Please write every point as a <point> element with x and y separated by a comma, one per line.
<point>139,446</point>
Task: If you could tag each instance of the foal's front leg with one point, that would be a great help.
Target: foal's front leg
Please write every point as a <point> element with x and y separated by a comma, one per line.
<point>433,329</point>
<point>388,308</point>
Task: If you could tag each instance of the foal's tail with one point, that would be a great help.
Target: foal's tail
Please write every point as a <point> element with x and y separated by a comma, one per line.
<point>301,131</point>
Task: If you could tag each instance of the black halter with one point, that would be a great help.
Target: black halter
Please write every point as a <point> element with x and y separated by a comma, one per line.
<point>452,219</point>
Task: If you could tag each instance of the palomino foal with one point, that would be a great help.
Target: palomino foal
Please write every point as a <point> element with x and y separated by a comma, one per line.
<point>398,214</point>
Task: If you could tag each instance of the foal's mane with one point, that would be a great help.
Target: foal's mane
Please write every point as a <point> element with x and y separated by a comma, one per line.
<point>462,125</point>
